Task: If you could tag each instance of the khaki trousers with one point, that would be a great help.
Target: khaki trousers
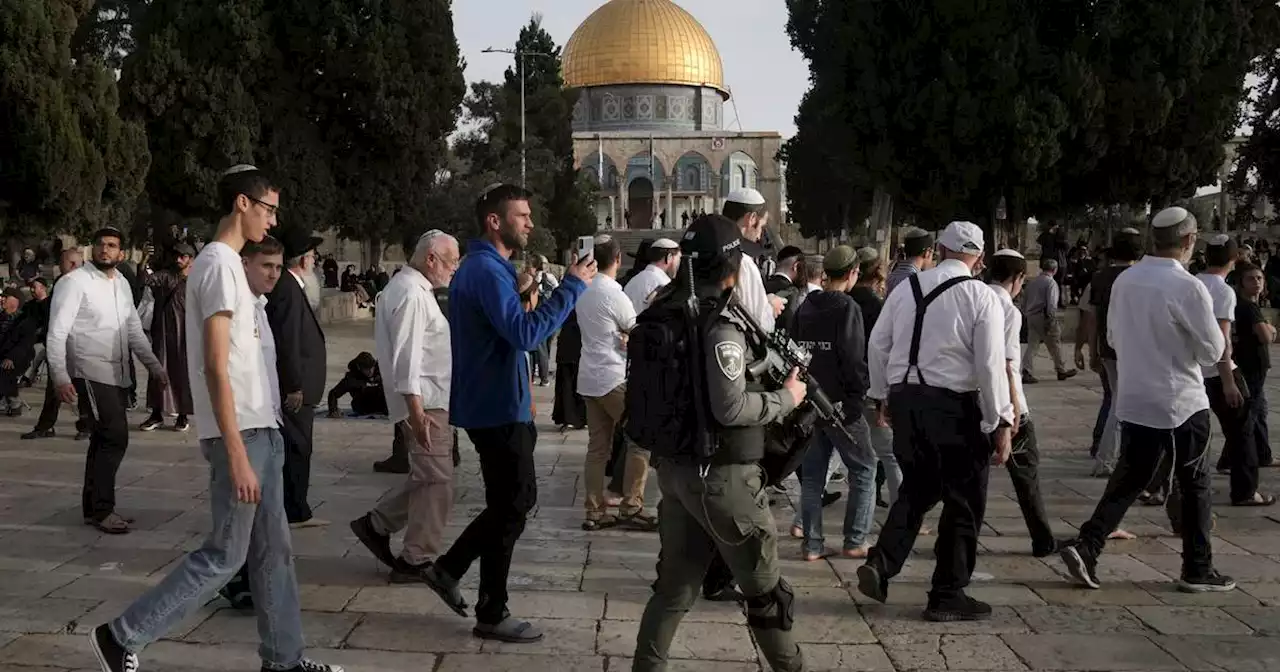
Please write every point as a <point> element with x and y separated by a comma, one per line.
<point>421,506</point>
<point>603,415</point>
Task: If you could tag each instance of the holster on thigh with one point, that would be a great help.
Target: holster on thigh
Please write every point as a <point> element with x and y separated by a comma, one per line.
<point>774,610</point>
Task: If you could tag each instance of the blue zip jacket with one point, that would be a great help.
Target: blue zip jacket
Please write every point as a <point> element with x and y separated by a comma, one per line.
<point>490,333</point>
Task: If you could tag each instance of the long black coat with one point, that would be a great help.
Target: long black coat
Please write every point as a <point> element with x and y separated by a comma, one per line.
<point>300,350</point>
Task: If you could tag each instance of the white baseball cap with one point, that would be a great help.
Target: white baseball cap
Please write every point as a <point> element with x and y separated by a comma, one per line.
<point>664,244</point>
<point>746,197</point>
<point>962,237</point>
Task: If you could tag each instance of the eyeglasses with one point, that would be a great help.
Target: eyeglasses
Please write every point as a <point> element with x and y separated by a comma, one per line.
<point>271,209</point>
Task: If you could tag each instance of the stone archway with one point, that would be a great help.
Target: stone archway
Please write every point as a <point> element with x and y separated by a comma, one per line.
<point>640,204</point>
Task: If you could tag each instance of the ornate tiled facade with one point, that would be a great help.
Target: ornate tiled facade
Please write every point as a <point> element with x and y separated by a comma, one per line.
<point>648,107</point>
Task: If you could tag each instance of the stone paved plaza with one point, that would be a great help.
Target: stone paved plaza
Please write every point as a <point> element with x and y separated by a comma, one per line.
<point>59,577</point>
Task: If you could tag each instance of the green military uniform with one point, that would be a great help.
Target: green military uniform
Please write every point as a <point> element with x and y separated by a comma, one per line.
<point>722,507</point>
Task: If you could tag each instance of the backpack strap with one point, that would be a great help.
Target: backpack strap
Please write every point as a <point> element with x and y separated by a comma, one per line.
<point>922,304</point>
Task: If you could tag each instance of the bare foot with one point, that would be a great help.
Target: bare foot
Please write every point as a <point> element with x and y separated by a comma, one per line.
<point>611,499</point>
<point>797,532</point>
<point>859,553</point>
<point>1123,535</point>
<point>813,557</point>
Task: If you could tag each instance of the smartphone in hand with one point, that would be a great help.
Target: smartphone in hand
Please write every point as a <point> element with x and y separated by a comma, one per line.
<point>586,248</point>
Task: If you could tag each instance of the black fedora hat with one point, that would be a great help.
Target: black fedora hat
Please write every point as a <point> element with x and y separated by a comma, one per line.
<point>297,241</point>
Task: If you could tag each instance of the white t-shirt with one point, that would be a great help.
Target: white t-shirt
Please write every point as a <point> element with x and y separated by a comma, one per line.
<point>642,288</point>
<point>1224,308</point>
<point>217,284</point>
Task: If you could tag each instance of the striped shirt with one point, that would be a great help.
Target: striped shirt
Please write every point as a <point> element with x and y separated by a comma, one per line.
<point>903,270</point>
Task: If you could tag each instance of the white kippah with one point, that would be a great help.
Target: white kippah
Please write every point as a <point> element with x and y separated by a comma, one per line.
<point>1129,230</point>
<point>1008,253</point>
<point>1170,217</point>
<point>1218,239</point>
<point>239,168</point>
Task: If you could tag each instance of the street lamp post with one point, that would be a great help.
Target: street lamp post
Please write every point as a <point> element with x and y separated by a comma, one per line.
<point>520,59</point>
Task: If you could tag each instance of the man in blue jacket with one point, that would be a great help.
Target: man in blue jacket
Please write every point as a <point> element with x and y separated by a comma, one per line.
<point>490,399</point>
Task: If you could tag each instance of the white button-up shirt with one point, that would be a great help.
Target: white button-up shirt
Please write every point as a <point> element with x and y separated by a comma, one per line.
<point>411,342</point>
<point>217,284</point>
<point>1161,324</point>
<point>268,339</point>
<point>604,314</point>
<point>750,293</point>
<point>93,326</point>
<point>645,285</point>
<point>1012,342</point>
<point>962,343</point>
<point>1224,308</point>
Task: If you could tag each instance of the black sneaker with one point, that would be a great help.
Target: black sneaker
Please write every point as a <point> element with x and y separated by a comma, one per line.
<point>1044,550</point>
<point>39,434</point>
<point>1213,582</point>
<point>378,544</point>
<point>392,466</point>
<point>1082,565</point>
<point>961,608</point>
<point>111,655</point>
<point>1067,375</point>
<point>151,424</point>
<point>871,582</point>
<point>829,498</point>
<point>181,424</point>
<point>1028,379</point>
<point>310,666</point>
<point>238,595</point>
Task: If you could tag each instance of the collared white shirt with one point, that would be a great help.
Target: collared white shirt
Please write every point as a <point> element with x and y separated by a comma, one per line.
<point>411,342</point>
<point>604,314</point>
<point>750,293</point>
<point>645,285</point>
<point>810,288</point>
<point>962,343</point>
<point>268,339</point>
<point>1012,342</point>
<point>1224,308</point>
<point>1160,322</point>
<point>93,325</point>
<point>301,283</point>
<point>217,284</point>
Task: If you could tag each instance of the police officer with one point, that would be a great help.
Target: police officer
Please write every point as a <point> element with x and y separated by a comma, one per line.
<point>721,506</point>
<point>936,362</point>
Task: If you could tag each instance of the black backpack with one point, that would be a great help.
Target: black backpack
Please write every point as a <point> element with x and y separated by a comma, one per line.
<point>666,388</point>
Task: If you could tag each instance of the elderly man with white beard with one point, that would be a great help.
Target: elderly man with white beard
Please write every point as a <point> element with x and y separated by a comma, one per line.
<point>411,338</point>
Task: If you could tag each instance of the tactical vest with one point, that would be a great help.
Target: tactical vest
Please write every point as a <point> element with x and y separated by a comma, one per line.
<point>739,445</point>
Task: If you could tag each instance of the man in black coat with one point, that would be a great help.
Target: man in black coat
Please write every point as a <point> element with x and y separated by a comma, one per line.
<point>300,367</point>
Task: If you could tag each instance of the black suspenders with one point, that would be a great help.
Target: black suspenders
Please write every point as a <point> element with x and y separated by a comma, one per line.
<point>922,304</point>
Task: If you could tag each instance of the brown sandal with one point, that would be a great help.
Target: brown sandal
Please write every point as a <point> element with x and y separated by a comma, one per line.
<point>112,524</point>
<point>602,523</point>
<point>639,521</point>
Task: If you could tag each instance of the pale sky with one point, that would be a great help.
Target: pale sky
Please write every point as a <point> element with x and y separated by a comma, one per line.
<point>767,78</point>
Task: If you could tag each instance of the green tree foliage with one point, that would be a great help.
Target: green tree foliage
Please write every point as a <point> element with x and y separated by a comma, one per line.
<point>488,151</point>
<point>1257,173</point>
<point>67,160</point>
<point>346,102</point>
<point>953,106</point>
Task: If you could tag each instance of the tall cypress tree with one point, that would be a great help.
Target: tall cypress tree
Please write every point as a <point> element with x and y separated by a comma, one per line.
<point>67,160</point>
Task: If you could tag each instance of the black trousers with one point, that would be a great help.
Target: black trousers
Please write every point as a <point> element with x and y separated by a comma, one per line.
<point>104,409</point>
<point>1238,439</point>
<point>52,406</point>
<point>945,457</point>
<point>1257,382</point>
<point>1142,450</point>
<point>1024,470</point>
<point>510,493</point>
<point>298,431</point>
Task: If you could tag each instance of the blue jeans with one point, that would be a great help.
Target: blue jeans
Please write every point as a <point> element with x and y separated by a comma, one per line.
<point>258,532</point>
<point>882,443</point>
<point>860,507</point>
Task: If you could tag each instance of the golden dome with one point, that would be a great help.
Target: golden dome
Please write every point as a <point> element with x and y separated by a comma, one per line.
<point>642,42</point>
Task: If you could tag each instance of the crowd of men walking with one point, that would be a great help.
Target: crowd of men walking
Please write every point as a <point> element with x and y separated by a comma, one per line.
<point>924,358</point>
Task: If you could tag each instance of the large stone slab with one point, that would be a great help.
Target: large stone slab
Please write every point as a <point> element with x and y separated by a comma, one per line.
<point>1091,653</point>
<point>840,657</point>
<point>1232,654</point>
<point>1190,621</point>
<point>699,641</point>
<point>1081,620</point>
<point>494,662</point>
<point>322,629</point>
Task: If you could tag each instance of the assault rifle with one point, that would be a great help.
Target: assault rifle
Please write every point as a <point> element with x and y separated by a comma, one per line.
<point>775,355</point>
